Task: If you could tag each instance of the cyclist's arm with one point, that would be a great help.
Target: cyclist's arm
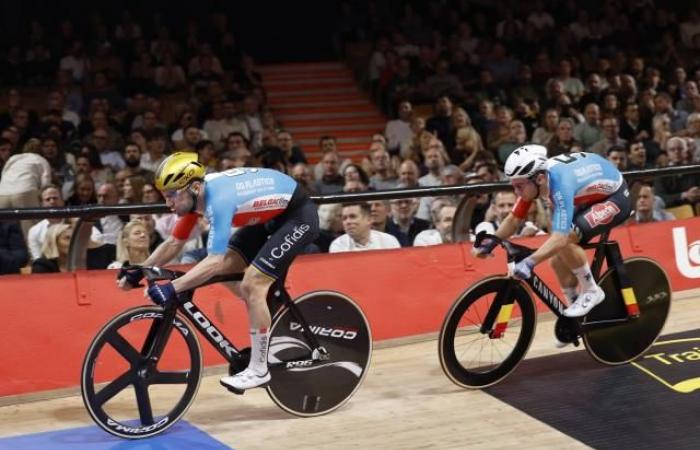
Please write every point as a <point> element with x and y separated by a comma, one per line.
<point>165,252</point>
<point>210,266</point>
<point>508,227</point>
<point>556,242</point>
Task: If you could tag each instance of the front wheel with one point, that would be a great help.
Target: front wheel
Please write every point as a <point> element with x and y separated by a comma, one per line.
<point>624,342</point>
<point>305,383</point>
<point>473,359</point>
<point>135,385</point>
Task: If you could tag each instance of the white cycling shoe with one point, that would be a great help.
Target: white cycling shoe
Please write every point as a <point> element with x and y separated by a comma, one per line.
<point>247,379</point>
<point>586,301</point>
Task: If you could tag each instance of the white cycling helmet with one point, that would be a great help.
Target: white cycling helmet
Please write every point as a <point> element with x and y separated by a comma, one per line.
<point>526,161</point>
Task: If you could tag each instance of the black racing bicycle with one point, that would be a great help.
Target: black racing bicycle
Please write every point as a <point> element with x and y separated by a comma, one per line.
<point>490,326</point>
<point>143,368</point>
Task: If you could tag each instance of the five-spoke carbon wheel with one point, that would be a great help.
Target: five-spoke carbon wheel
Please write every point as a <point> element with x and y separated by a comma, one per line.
<point>141,374</point>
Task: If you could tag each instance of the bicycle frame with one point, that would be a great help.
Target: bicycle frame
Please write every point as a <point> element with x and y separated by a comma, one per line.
<point>605,251</point>
<point>158,335</point>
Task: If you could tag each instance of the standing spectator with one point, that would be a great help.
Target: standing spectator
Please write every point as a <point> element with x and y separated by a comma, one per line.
<point>13,252</point>
<point>439,123</point>
<point>23,175</point>
<point>359,234</point>
<point>398,131</point>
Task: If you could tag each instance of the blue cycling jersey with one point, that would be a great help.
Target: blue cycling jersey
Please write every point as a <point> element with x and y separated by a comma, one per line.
<point>241,197</point>
<point>579,179</point>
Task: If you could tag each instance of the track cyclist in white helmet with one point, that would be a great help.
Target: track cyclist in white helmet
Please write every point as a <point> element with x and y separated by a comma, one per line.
<point>588,196</point>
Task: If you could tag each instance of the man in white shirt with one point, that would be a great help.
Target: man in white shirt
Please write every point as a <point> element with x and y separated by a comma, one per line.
<point>398,131</point>
<point>23,175</point>
<point>359,235</point>
<point>442,233</point>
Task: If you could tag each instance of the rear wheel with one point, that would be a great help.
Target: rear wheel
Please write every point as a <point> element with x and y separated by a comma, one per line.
<point>473,359</point>
<point>130,394</point>
<point>307,386</point>
<point>624,342</point>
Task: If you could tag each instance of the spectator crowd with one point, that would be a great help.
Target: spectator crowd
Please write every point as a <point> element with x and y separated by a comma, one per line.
<point>89,114</point>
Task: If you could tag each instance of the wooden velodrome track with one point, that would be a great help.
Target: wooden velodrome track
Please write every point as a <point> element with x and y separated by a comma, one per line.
<point>406,402</point>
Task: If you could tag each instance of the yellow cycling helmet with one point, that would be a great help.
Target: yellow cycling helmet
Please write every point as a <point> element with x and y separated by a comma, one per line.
<point>178,170</point>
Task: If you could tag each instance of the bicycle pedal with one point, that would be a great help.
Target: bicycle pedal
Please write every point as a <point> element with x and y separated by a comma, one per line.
<point>232,389</point>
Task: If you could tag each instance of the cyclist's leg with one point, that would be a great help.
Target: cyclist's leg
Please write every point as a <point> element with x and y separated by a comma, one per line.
<point>566,277</point>
<point>589,222</point>
<point>242,248</point>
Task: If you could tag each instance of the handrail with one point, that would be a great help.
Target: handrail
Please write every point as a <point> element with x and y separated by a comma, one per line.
<point>89,214</point>
<point>96,211</point>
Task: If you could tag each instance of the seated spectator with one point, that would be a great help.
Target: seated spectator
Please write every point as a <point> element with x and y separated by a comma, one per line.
<point>54,252</point>
<point>110,226</point>
<point>404,225</point>
<point>186,119</point>
<point>88,162</point>
<point>439,124</point>
<point>109,156</point>
<point>501,205</point>
<point>62,164</point>
<point>13,251</point>
<point>207,155</point>
<point>589,132</point>
<point>359,235</point>
<point>442,231</point>
<point>155,150</point>
<point>293,153</point>
<point>637,156</point>
<point>133,190</point>
<point>544,133</point>
<point>132,245</point>
<point>330,225</point>
<point>191,137</point>
<point>679,189</point>
<point>148,220</point>
<point>645,209</point>
<point>132,158</point>
<point>408,175</point>
<point>611,137</point>
<point>517,137</point>
<point>384,176</point>
<point>302,174</point>
<point>434,161</point>
<point>169,76</point>
<point>469,150</point>
<point>563,141</point>
<point>618,156</point>
<point>151,195</point>
<point>332,181</point>
<point>84,191</point>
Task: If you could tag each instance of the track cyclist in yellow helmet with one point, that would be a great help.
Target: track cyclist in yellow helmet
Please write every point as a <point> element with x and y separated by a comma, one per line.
<point>277,220</point>
<point>588,196</point>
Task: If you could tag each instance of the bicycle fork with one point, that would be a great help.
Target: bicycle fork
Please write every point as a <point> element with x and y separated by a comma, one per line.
<point>499,313</point>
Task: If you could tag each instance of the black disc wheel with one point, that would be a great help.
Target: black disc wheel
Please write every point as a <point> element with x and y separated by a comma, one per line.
<point>473,359</point>
<point>623,342</point>
<point>310,382</point>
<point>140,374</point>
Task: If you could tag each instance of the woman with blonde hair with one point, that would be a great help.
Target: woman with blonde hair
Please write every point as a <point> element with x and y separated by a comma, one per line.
<point>468,149</point>
<point>132,245</point>
<point>54,252</point>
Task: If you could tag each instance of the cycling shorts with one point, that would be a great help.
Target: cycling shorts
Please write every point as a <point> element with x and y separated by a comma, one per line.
<point>272,246</point>
<point>594,219</point>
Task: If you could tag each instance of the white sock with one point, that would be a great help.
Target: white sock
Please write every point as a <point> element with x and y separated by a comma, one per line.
<point>585,278</point>
<point>260,340</point>
<point>570,293</point>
